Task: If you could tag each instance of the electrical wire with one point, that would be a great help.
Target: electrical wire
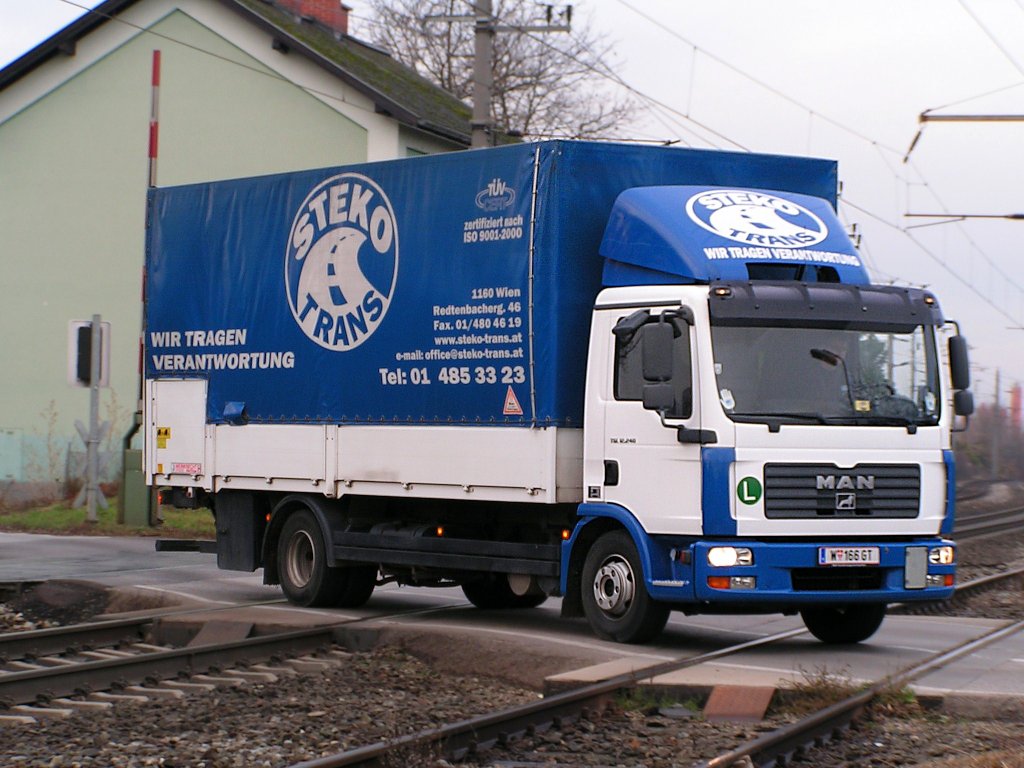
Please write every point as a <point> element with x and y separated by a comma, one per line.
<point>995,41</point>
<point>879,146</point>
<point>933,256</point>
<point>666,108</point>
<point>757,81</point>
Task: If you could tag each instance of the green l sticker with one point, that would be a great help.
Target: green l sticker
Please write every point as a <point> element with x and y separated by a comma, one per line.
<point>749,490</point>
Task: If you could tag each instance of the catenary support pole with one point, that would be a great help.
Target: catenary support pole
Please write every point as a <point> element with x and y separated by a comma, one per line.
<point>483,76</point>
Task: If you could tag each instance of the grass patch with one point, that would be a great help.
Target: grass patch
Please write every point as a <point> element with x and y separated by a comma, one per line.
<point>823,687</point>
<point>649,700</point>
<point>61,519</point>
<point>816,690</point>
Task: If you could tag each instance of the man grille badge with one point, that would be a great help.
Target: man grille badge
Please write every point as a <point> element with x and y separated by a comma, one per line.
<point>846,502</point>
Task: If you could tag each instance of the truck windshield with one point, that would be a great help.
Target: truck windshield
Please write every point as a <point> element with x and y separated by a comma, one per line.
<point>827,376</point>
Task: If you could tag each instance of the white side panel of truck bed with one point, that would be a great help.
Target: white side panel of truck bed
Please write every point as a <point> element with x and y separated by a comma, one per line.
<point>475,463</point>
<point>485,463</point>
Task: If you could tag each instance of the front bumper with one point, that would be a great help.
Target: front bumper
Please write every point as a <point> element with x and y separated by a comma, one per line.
<point>786,575</point>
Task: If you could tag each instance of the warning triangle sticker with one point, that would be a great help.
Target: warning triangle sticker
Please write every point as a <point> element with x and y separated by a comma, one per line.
<point>512,406</point>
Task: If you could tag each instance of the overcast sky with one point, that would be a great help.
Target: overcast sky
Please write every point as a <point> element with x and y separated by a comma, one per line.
<point>844,80</point>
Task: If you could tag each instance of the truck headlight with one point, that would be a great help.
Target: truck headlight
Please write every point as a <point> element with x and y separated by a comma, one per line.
<point>942,555</point>
<point>725,557</point>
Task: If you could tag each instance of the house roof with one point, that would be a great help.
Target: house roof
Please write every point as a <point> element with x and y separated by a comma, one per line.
<point>395,89</point>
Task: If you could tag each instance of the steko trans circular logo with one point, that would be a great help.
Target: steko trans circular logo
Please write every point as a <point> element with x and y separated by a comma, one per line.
<point>756,218</point>
<point>342,261</point>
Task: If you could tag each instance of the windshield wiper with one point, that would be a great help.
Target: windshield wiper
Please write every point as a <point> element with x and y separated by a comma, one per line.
<point>881,421</point>
<point>774,420</point>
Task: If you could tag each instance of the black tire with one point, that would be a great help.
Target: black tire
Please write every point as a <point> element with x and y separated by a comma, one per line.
<point>360,581</point>
<point>615,600</point>
<point>844,624</point>
<point>492,591</point>
<point>302,563</point>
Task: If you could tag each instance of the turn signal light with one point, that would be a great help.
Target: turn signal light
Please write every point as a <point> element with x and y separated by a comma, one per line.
<point>566,533</point>
<point>732,582</point>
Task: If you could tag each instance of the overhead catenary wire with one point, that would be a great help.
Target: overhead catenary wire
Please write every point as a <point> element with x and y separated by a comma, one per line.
<point>878,145</point>
<point>995,41</point>
<point>614,77</point>
<point>608,74</point>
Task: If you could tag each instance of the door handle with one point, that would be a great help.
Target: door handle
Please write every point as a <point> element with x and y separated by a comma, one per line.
<point>611,472</point>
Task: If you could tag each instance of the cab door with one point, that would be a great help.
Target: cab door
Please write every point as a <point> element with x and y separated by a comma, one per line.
<point>647,468</point>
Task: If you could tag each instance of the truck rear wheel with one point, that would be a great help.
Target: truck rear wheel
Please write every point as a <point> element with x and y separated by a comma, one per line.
<point>492,591</point>
<point>843,624</point>
<point>615,600</point>
<point>306,579</point>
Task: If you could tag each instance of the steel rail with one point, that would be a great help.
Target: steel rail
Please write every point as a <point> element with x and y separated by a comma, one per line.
<point>458,739</point>
<point>962,591</point>
<point>986,523</point>
<point>106,632</point>
<point>52,640</point>
<point>30,685</point>
<point>985,582</point>
<point>776,747</point>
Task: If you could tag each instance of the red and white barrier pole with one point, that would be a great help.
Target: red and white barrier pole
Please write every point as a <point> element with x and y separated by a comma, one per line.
<point>154,122</point>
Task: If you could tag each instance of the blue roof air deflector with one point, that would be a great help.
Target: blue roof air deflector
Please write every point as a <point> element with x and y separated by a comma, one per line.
<point>691,234</point>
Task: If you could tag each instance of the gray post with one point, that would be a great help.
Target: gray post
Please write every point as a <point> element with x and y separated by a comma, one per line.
<point>997,428</point>
<point>483,77</point>
<point>93,447</point>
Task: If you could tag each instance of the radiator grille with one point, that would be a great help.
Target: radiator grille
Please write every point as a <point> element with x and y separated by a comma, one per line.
<point>813,491</point>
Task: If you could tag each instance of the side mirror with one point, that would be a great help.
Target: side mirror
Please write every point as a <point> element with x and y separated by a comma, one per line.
<point>963,402</point>
<point>959,367</point>
<point>657,352</point>
<point>659,397</point>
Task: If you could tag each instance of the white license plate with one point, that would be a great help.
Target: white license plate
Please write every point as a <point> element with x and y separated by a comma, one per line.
<point>848,556</point>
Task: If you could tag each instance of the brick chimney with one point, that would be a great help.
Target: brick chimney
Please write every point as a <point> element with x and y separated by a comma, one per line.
<point>330,13</point>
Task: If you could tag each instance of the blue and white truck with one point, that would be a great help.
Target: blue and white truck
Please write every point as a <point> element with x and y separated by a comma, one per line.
<point>642,379</point>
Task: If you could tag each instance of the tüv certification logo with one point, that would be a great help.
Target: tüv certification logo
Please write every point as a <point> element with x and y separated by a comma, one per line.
<point>342,261</point>
<point>496,196</point>
<point>756,218</point>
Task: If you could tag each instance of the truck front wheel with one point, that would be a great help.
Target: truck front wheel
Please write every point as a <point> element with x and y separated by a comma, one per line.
<point>843,624</point>
<point>615,600</point>
<point>306,579</point>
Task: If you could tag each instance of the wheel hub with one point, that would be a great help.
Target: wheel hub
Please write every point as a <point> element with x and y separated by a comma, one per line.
<point>614,586</point>
<point>299,559</point>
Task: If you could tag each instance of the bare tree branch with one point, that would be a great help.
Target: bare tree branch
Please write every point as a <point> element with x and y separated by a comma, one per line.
<point>545,84</point>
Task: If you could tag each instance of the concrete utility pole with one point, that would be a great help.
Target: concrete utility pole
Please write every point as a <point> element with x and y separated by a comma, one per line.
<point>483,60</point>
<point>483,75</point>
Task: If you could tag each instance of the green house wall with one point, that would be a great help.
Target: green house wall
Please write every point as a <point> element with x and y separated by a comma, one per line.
<point>73,178</point>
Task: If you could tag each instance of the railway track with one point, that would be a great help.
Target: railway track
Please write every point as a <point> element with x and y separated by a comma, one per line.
<point>780,746</point>
<point>458,741</point>
<point>978,524</point>
<point>41,666</point>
